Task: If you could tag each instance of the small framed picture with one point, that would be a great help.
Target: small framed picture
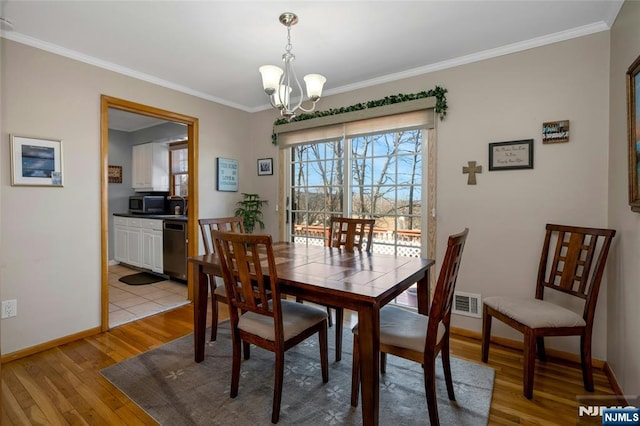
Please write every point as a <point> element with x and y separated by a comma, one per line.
<point>115,174</point>
<point>36,162</point>
<point>227,176</point>
<point>265,166</point>
<point>555,132</point>
<point>511,155</point>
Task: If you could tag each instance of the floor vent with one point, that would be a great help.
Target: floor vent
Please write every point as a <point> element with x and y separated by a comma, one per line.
<point>466,304</point>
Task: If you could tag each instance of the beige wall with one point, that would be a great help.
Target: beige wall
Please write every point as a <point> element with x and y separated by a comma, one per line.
<point>502,99</point>
<point>623,315</point>
<point>51,236</point>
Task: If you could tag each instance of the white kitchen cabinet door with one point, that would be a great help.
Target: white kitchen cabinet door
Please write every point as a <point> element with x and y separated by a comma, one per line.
<point>152,250</point>
<point>150,167</point>
<point>121,252</point>
<point>134,246</point>
<point>157,264</point>
<point>147,249</point>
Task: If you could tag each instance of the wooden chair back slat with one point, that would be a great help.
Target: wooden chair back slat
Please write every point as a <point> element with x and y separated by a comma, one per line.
<point>351,234</point>
<point>572,269</point>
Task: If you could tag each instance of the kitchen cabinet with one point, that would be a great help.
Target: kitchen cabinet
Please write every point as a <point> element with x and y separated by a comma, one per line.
<point>152,245</point>
<point>150,167</point>
<point>138,242</point>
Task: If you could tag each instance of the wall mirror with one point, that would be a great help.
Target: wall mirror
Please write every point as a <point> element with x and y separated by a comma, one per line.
<point>633,123</point>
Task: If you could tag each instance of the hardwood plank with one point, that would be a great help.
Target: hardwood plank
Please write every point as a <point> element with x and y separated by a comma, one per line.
<point>63,385</point>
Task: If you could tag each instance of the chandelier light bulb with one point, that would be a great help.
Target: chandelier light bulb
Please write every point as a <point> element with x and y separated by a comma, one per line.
<point>270,78</point>
<point>314,84</point>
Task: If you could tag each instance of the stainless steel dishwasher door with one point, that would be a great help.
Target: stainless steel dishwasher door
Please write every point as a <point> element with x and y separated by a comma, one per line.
<point>174,244</point>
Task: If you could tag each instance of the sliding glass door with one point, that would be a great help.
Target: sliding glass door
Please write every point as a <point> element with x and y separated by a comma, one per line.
<point>377,175</point>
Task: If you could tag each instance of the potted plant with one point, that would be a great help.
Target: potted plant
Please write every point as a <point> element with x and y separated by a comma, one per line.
<point>250,210</point>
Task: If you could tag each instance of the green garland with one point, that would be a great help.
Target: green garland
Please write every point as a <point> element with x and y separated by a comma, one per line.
<point>438,92</point>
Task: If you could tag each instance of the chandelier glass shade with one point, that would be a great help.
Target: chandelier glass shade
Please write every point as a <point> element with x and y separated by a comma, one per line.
<point>282,85</point>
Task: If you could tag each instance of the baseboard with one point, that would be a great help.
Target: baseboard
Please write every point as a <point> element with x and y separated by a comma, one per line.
<point>515,344</point>
<point>613,381</point>
<point>48,345</point>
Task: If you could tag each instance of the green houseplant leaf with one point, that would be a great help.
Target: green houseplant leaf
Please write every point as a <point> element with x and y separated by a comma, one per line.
<point>250,210</point>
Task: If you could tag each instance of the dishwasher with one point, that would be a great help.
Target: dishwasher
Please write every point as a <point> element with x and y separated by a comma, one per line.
<point>174,245</point>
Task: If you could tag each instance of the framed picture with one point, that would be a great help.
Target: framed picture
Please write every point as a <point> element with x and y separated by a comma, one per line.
<point>265,166</point>
<point>633,131</point>
<point>36,162</point>
<point>227,176</point>
<point>555,131</point>
<point>115,174</point>
<point>511,155</point>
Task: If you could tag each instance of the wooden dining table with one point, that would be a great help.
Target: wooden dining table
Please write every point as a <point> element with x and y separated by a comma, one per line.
<point>360,281</point>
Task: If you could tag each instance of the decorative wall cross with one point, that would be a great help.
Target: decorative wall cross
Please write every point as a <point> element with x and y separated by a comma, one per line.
<point>471,169</point>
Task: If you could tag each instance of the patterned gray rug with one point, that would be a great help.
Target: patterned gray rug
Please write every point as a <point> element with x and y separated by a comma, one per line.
<point>174,390</point>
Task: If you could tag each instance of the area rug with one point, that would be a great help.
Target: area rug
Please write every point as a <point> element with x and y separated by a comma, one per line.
<point>174,390</point>
<point>141,278</point>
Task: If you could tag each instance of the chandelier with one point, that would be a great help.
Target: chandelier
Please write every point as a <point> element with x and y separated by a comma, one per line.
<point>282,86</point>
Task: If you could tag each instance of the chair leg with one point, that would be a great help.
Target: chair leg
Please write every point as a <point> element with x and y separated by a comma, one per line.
<point>486,333</point>
<point>542,354</point>
<point>529,362</point>
<point>430,389</point>
<point>214,310</point>
<point>587,369</point>
<point>246,349</point>
<point>446,367</point>
<point>339,321</point>
<point>330,318</point>
<point>324,353</point>
<point>383,363</point>
<point>355,372</point>
<point>235,366</point>
<point>277,388</point>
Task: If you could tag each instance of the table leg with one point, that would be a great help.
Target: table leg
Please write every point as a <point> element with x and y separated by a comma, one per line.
<point>200,293</point>
<point>424,294</point>
<point>369,338</point>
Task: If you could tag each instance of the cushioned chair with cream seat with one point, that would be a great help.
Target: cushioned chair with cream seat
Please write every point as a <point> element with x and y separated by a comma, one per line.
<point>258,314</point>
<point>572,262</point>
<point>418,337</point>
<point>218,293</point>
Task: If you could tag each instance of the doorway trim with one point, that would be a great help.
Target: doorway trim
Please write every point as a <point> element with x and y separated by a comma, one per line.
<point>107,102</point>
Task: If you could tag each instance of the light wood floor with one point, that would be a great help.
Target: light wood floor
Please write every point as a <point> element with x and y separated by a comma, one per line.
<point>64,386</point>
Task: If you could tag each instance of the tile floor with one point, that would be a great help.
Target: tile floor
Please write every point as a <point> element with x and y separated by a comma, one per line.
<point>131,302</point>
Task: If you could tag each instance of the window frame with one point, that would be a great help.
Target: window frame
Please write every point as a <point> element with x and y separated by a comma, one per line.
<point>177,146</point>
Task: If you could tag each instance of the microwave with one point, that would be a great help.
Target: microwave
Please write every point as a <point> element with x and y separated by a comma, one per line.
<point>147,204</point>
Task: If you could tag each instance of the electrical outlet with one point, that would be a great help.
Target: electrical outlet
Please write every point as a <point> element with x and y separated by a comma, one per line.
<point>9,308</point>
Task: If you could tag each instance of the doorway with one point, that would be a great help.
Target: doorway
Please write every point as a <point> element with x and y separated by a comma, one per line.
<point>191,124</point>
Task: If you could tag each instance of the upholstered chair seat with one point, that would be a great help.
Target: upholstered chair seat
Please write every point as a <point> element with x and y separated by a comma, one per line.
<point>535,313</point>
<point>296,318</point>
<point>404,329</point>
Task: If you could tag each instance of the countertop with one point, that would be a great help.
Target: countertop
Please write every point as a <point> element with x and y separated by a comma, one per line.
<point>178,217</point>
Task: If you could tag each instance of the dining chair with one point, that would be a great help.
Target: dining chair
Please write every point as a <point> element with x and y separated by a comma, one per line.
<point>218,292</point>
<point>349,234</point>
<point>572,262</point>
<point>258,313</point>
<point>419,337</point>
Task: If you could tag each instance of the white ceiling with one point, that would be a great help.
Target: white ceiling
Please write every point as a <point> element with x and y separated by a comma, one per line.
<point>212,49</point>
